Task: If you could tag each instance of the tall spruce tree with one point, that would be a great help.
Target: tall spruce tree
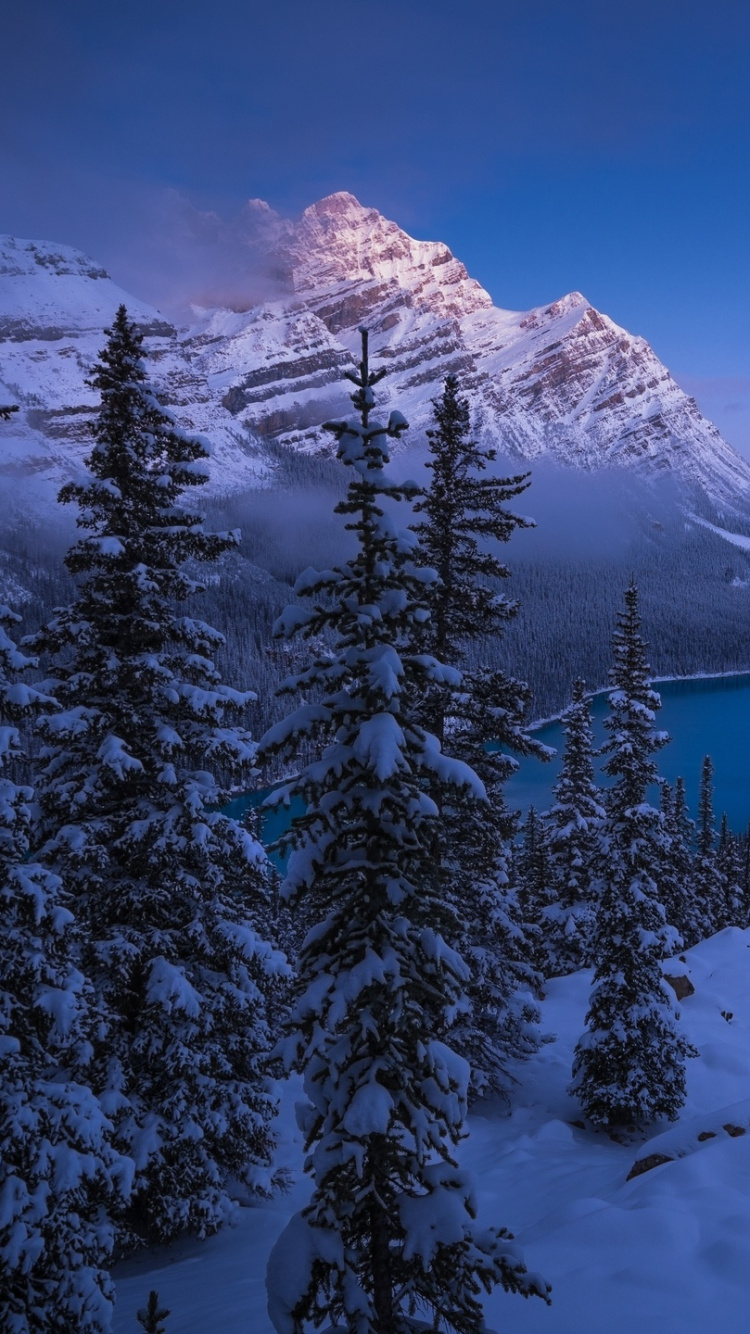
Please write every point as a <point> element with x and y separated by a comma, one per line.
<point>573,824</point>
<point>388,1235</point>
<point>57,1171</point>
<point>498,1024</point>
<point>744,854</point>
<point>167,890</point>
<point>465,516</point>
<point>463,508</point>
<point>629,1066</point>
<point>676,878</point>
<point>709,889</point>
<point>533,873</point>
<point>730,869</point>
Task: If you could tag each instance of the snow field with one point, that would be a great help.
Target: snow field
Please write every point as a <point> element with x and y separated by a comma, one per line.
<point>666,1251</point>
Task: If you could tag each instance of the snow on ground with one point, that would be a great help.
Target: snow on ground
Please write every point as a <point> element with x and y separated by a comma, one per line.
<point>666,1251</point>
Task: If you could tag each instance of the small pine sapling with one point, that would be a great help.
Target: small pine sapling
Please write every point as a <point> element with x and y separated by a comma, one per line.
<point>151,1317</point>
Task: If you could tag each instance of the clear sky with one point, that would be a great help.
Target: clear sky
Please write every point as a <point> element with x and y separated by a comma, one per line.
<point>552,144</point>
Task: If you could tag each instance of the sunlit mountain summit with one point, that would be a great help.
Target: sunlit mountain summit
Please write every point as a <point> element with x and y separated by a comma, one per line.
<point>561,382</point>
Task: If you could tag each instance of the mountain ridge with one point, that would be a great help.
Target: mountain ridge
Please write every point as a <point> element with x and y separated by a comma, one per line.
<point>561,381</point>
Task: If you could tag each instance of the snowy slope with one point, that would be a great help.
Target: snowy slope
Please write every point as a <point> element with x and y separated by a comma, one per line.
<point>563,380</point>
<point>666,1251</point>
<point>54,305</point>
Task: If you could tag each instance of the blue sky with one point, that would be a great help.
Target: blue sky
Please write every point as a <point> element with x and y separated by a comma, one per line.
<point>554,144</point>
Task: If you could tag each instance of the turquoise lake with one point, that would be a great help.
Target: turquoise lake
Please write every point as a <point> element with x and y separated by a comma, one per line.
<point>710,716</point>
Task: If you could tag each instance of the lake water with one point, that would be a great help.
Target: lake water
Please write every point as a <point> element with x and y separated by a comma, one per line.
<point>710,716</point>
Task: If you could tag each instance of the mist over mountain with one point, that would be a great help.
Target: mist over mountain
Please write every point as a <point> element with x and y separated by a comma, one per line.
<point>252,354</point>
<point>272,321</point>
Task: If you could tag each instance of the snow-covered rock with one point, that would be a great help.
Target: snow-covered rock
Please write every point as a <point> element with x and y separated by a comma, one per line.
<point>561,380</point>
<point>54,305</point>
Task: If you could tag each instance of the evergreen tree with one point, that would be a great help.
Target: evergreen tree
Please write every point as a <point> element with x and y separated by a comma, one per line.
<point>745,873</point>
<point>573,825</point>
<point>676,879</point>
<point>533,873</point>
<point>629,1065</point>
<point>388,1235</point>
<point>730,869</point>
<point>165,888</point>
<point>463,509</point>
<point>152,1316</point>
<point>709,889</point>
<point>464,515</point>
<point>57,1171</point>
<point>499,1021</point>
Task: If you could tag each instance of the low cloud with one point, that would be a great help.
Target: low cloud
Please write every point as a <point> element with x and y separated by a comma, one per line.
<point>178,256</point>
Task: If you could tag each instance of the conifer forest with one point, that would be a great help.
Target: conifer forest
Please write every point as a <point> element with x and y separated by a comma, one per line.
<point>163,974</point>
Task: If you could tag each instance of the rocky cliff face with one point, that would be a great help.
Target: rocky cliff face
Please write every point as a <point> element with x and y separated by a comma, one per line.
<point>563,380</point>
<point>54,305</point>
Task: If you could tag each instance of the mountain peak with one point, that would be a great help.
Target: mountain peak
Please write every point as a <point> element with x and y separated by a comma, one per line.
<point>339,242</point>
<point>21,258</point>
<point>561,380</point>
<point>336,205</point>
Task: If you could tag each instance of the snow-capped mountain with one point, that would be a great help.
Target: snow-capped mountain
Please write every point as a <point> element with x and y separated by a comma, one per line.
<point>562,380</point>
<point>54,305</point>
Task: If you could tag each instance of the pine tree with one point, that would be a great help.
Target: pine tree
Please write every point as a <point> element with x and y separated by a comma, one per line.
<point>573,825</point>
<point>745,872</point>
<point>464,512</point>
<point>165,888</point>
<point>629,1065</point>
<point>57,1171</point>
<point>709,889</point>
<point>730,869</point>
<point>533,873</point>
<point>463,509</point>
<point>499,1022</point>
<point>676,878</point>
<point>152,1316</point>
<point>388,1234</point>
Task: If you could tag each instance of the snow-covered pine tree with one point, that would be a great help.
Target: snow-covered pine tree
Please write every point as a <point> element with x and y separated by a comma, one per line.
<point>730,869</point>
<point>57,1171</point>
<point>629,1066</point>
<point>463,509</point>
<point>573,825</point>
<point>499,1023</point>
<point>166,889</point>
<point>533,875</point>
<point>709,889</point>
<point>744,857</point>
<point>465,514</point>
<point>388,1235</point>
<point>676,877</point>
